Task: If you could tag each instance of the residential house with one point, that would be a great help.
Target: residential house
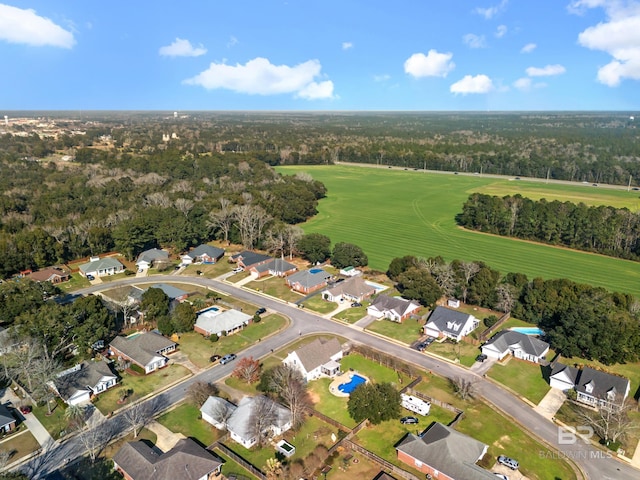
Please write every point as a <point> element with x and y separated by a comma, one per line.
<point>147,350</point>
<point>316,359</point>
<point>238,419</point>
<point>174,293</point>
<point>354,289</point>
<point>101,267</point>
<point>276,267</point>
<point>152,257</point>
<point>79,384</point>
<point>392,308</point>
<point>187,460</point>
<point>54,275</point>
<point>226,322</point>
<point>383,476</point>
<point>524,347</point>
<point>7,420</point>
<point>248,259</point>
<point>444,322</point>
<point>593,387</point>
<point>202,254</point>
<point>443,453</point>
<point>308,281</point>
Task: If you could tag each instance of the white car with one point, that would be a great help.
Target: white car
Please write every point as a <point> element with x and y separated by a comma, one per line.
<point>501,475</point>
<point>238,270</point>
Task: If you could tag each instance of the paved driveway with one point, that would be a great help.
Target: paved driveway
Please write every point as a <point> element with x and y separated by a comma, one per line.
<point>551,403</point>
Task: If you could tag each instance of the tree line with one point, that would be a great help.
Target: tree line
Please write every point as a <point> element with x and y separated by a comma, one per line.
<point>600,229</point>
<point>578,320</point>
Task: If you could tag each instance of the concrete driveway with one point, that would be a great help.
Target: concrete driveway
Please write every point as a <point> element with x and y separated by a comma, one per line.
<point>483,367</point>
<point>551,403</point>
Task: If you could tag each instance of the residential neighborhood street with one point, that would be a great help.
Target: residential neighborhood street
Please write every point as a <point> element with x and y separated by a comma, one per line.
<point>595,463</point>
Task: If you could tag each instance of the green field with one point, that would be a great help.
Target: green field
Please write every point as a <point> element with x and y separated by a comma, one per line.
<point>392,213</point>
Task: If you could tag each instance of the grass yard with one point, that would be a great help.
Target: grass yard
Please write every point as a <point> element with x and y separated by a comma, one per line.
<point>250,335</point>
<point>185,419</point>
<point>141,385</point>
<point>522,377</point>
<point>506,438</point>
<point>209,270</point>
<point>440,388</point>
<point>198,348</point>
<point>348,469</point>
<point>376,372</point>
<point>275,287</point>
<point>318,304</point>
<point>406,332</point>
<point>328,404</point>
<point>419,219</point>
<point>55,423</point>
<point>463,351</point>
<point>19,445</point>
<point>230,467</point>
<point>351,315</point>
<point>76,282</point>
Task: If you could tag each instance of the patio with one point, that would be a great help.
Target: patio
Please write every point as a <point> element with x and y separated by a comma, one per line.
<point>344,380</point>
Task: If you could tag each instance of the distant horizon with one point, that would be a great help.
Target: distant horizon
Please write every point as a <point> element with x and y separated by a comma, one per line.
<point>319,112</point>
<point>330,56</point>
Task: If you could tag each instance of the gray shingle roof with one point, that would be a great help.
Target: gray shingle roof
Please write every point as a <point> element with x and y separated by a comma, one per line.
<point>5,416</point>
<point>213,252</point>
<point>447,320</point>
<point>101,264</point>
<point>355,287</point>
<point>186,461</point>
<point>222,322</point>
<point>318,352</point>
<point>570,372</point>
<point>250,258</point>
<point>529,344</point>
<point>393,304</point>
<point>448,451</point>
<point>142,348</point>
<point>85,378</point>
<point>308,279</point>
<point>602,383</point>
<point>152,255</point>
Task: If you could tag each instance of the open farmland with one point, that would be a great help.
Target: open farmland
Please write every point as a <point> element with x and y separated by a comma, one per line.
<point>391,213</point>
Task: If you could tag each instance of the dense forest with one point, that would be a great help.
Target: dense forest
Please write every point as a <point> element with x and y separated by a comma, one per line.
<point>606,230</point>
<point>578,320</point>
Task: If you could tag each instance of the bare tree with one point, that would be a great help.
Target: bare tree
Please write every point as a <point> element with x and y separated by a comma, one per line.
<point>95,437</point>
<point>469,270</point>
<point>199,392</point>
<point>25,359</point>
<point>464,388</point>
<point>183,205</point>
<point>123,302</point>
<point>445,278</point>
<point>611,424</point>
<point>276,239</point>
<point>288,384</point>
<point>44,371</point>
<point>157,199</point>
<point>222,411</point>
<point>293,234</point>
<point>223,218</point>
<point>251,220</point>
<point>137,416</point>
<point>263,416</point>
<point>5,456</point>
<point>506,297</point>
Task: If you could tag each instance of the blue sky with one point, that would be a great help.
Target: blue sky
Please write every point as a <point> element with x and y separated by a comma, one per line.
<point>320,55</point>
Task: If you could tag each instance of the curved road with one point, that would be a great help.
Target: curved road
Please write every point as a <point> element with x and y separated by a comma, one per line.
<point>595,463</point>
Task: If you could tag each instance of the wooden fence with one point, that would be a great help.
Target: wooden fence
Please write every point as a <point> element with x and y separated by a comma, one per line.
<point>487,333</point>
<point>434,401</point>
<point>240,460</point>
<point>387,466</point>
<point>329,420</point>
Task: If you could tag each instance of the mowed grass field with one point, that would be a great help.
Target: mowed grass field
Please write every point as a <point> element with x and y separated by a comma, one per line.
<point>391,213</point>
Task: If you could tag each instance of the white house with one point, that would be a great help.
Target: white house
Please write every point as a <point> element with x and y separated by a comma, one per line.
<point>353,289</point>
<point>524,347</point>
<point>100,267</point>
<point>238,419</point>
<point>77,385</point>
<point>392,308</point>
<point>563,377</point>
<point>202,254</point>
<point>593,387</point>
<point>444,322</point>
<point>227,322</point>
<point>151,257</point>
<point>316,359</point>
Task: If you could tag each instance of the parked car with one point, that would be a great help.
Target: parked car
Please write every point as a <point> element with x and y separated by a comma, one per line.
<point>237,270</point>
<point>214,358</point>
<point>90,277</point>
<point>409,420</point>
<point>261,310</point>
<point>501,476</point>
<point>481,358</point>
<point>508,462</point>
<point>422,346</point>
<point>228,358</point>
<point>356,304</point>
<point>430,340</point>
<point>25,409</point>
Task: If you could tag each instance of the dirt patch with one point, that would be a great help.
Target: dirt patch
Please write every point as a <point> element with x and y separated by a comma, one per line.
<point>315,398</point>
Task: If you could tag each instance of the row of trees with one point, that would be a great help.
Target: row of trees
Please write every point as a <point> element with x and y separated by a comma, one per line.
<point>578,320</point>
<point>607,230</point>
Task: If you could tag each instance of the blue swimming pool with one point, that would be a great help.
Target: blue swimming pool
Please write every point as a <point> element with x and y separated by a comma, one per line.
<point>528,330</point>
<point>352,384</point>
<point>315,270</point>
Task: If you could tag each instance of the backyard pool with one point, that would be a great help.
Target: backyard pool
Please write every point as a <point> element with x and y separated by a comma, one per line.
<point>379,288</point>
<point>315,270</point>
<point>528,330</point>
<point>352,384</point>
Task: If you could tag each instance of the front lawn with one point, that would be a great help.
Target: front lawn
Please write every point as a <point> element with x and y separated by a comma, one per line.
<point>56,423</point>
<point>320,305</point>
<point>522,377</point>
<point>76,282</point>
<point>406,332</point>
<point>352,315</point>
<point>185,419</point>
<point>275,287</point>
<point>19,445</point>
<point>198,348</point>
<point>464,352</point>
<point>209,270</point>
<point>141,385</point>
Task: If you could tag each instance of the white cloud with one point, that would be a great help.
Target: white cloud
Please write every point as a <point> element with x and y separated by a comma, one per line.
<point>491,12</point>
<point>232,41</point>
<point>347,45</point>
<point>501,31</point>
<point>19,25</point>
<point>546,71</point>
<point>182,48</point>
<point>474,41</point>
<point>381,78</point>
<point>260,77</point>
<point>619,36</point>
<point>528,48</point>
<point>433,64</point>
<point>525,84</point>
<point>472,84</point>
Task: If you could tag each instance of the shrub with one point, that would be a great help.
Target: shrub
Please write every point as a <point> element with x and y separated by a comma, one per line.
<point>490,321</point>
<point>137,369</point>
<point>256,318</point>
<point>213,338</point>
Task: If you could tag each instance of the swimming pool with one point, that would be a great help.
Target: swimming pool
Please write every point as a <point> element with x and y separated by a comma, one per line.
<point>210,309</point>
<point>528,330</point>
<point>352,384</point>
<point>315,270</point>
<point>379,288</point>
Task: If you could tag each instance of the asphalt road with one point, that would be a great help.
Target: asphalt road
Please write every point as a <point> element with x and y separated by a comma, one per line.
<point>595,463</point>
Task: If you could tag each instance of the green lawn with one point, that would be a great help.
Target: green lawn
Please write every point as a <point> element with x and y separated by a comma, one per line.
<point>141,385</point>
<point>76,282</point>
<point>55,423</point>
<point>522,377</point>
<point>328,404</point>
<point>318,304</point>
<point>251,334</point>
<point>275,287</point>
<point>209,270</point>
<point>185,419</point>
<point>417,217</point>
<point>198,348</point>
<point>406,332</point>
<point>352,314</point>
<point>231,467</point>
<point>463,351</point>
<point>376,372</point>
<point>19,445</point>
